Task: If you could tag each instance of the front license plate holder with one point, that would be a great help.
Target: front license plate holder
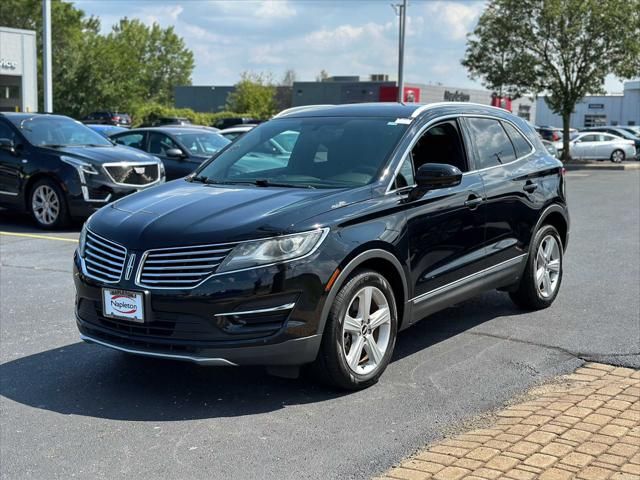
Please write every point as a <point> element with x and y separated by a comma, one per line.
<point>123,305</point>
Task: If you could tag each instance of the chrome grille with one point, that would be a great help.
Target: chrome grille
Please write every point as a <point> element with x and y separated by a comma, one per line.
<point>133,174</point>
<point>103,259</point>
<point>181,267</point>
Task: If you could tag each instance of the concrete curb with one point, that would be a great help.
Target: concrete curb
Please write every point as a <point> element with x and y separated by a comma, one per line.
<point>602,166</point>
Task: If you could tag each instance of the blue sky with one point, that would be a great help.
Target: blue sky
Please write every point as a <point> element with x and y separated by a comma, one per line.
<point>343,37</point>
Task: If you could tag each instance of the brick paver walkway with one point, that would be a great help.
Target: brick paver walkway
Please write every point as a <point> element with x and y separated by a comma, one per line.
<point>586,426</point>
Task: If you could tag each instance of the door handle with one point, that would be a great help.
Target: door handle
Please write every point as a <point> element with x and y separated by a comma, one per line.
<point>473,201</point>
<point>530,187</point>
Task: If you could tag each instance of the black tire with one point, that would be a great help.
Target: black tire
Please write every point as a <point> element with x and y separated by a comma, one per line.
<point>331,365</point>
<point>617,156</point>
<point>62,217</point>
<point>529,294</point>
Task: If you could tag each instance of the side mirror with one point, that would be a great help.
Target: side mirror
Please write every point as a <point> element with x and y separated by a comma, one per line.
<point>7,145</point>
<point>432,176</point>
<point>174,153</point>
<point>577,141</point>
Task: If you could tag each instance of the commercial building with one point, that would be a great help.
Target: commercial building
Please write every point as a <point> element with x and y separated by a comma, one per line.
<point>350,89</point>
<point>595,110</point>
<point>18,70</point>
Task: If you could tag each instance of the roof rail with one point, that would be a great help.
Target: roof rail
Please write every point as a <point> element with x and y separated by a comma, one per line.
<point>301,108</point>
<point>427,106</point>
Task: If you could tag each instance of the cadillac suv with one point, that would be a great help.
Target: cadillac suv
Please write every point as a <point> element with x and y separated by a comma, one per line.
<point>57,168</point>
<point>379,215</point>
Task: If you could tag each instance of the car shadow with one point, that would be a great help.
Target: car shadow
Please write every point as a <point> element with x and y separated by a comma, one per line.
<point>16,222</point>
<point>89,380</point>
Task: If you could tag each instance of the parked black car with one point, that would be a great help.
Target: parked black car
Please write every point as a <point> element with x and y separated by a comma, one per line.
<point>182,149</point>
<point>380,215</point>
<point>233,121</point>
<point>57,168</point>
<point>108,118</point>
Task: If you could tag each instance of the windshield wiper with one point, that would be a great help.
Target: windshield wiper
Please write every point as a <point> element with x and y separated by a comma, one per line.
<point>263,182</point>
<point>53,145</point>
<point>199,179</point>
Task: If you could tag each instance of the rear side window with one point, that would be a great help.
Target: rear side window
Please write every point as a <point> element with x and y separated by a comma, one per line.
<point>519,142</point>
<point>491,142</point>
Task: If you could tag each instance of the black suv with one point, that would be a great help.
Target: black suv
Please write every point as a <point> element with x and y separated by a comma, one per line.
<point>57,168</point>
<point>108,118</point>
<point>380,215</point>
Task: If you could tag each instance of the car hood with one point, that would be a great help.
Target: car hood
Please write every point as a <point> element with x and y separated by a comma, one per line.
<point>186,213</point>
<point>101,155</point>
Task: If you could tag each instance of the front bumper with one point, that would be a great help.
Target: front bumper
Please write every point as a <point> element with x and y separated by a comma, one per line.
<point>265,316</point>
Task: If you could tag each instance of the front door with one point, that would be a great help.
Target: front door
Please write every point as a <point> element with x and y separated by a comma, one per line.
<point>445,226</point>
<point>175,167</point>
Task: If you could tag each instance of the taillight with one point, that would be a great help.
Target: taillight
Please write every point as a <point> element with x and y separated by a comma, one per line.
<point>556,137</point>
<point>563,171</point>
<point>115,119</point>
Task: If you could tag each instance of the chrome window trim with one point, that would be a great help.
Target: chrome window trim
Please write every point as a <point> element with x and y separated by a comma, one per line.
<point>133,164</point>
<point>84,268</point>
<point>287,306</point>
<point>444,288</point>
<point>429,124</point>
<point>200,360</point>
<point>325,233</point>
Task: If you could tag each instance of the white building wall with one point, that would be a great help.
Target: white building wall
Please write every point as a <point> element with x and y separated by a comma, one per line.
<point>18,59</point>
<point>612,109</point>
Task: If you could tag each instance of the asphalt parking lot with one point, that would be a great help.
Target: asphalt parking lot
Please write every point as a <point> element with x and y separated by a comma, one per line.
<point>75,410</point>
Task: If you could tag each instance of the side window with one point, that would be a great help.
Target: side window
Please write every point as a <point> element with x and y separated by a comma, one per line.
<point>493,147</point>
<point>589,138</point>
<point>6,132</point>
<point>519,142</point>
<point>442,143</point>
<point>134,140</point>
<point>159,143</point>
<point>405,176</point>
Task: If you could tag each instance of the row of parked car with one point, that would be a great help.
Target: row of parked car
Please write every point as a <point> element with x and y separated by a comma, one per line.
<point>57,168</point>
<point>615,143</point>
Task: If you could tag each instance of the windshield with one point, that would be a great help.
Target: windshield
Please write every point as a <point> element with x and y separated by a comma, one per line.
<point>202,143</point>
<point>47,130</point>
<point>320,152</point>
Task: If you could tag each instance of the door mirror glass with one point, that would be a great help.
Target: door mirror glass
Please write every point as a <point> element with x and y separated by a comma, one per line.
<point>431,176</point>
<point>174,153</point>
<point>8,145</point>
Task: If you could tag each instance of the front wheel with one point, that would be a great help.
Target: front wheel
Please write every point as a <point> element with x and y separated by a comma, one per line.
<point>360,333</point>
<point>617,156</point>
<point>48,204</point>
<point>542,276</point>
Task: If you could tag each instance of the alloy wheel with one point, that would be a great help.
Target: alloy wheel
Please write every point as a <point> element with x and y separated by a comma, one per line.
<point>617,156</point>
<point>547,266</point>
<point>366,331</point>
<point>45,205</point>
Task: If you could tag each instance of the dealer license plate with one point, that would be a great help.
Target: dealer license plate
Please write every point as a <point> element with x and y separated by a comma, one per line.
<point>123,305</point>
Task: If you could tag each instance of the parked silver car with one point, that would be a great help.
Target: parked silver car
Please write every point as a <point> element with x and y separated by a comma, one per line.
<point>599,146</point>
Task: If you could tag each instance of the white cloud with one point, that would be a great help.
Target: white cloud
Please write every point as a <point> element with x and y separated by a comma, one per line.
<point>454,19</point>
<point>275,9</point>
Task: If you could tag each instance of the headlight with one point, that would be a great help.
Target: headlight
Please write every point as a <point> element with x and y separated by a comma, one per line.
<point>80,166</point>
<point>162,170</point>
<point>274,250</point>
<point>82,241</point>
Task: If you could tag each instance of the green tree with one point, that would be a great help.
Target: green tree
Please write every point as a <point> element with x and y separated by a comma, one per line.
<point>132,65</point>
<point>254,93</point>
<point>561,48</point>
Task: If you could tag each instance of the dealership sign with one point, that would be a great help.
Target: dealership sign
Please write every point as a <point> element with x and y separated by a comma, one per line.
<point>8,64</point>
<point>456,96</point>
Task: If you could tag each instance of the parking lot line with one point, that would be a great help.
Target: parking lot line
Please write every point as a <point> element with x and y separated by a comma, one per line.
<point>41,237</point>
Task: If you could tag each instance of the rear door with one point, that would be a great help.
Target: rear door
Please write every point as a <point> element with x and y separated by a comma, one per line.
<point>513,192</point>
<point>10,166</point>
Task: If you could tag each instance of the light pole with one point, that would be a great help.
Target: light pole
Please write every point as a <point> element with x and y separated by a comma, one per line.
<point>46,50</point>
<point>401,11</point>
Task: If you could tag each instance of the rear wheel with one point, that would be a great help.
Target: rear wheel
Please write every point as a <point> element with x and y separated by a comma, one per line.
<point>360,333</point>
<point>543,274</point>
<point>48,205</point>
<point>617,156</point>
